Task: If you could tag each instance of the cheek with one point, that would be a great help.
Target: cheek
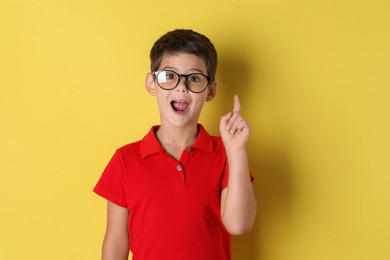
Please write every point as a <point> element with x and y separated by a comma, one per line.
<point>200,102</point>
<point>200,98</point>
<point>161,99</point>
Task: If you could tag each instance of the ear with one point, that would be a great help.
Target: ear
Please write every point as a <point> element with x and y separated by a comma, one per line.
<point>212,89</point>
<point>150,84</point>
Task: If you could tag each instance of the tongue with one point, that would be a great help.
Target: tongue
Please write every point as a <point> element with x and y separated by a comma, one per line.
<point>179,106</point>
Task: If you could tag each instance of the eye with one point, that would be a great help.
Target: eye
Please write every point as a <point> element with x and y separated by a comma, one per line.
<point>170,75</point>
<point>195,78</point>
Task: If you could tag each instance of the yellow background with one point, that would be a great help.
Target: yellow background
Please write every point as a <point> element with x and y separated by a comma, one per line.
<point>313,77</point>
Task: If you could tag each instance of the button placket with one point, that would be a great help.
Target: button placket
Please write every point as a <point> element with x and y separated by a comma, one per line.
<point>179,179</point>
<point>186,155</point>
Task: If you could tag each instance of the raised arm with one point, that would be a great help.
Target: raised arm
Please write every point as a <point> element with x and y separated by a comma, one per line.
<point>116,240</point>
<point>238,204</point>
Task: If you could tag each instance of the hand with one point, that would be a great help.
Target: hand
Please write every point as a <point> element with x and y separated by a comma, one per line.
<point>234,129</point>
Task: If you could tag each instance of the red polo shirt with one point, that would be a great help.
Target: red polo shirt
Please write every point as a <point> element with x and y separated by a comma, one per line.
<point>174,205</point>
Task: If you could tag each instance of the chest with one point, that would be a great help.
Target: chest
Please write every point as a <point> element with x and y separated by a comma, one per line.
<point>160,179</point>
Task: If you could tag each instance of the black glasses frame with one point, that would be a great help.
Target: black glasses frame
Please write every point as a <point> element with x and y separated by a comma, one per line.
<point>209,79</point>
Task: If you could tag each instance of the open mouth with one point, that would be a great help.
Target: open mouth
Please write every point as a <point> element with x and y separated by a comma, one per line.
<point>179,106</point>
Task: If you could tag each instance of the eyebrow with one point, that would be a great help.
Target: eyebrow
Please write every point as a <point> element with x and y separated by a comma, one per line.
<point>175,69</point>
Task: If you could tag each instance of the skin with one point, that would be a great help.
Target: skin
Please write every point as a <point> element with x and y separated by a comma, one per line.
<point>116,239</point>
<point>238,204</point>
<point>179,130</point>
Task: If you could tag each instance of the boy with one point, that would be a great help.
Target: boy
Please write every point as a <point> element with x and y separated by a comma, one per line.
<point>179,193</point>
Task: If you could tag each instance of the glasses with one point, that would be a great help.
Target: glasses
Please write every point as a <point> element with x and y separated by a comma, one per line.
<point>169,79</point>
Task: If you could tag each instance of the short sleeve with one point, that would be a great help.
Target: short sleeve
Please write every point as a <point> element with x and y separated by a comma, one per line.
<point>225,176</point>
<point>111,183</point>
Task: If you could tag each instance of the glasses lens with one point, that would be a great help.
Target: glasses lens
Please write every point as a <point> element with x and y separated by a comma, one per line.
<point>197,82</point>
<point>167,79</point>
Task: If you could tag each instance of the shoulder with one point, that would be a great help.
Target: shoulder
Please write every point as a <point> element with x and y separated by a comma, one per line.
<point>219,147</point>
<point>129,152</point>
<point>141,148</point>
<point>129,147</point>
<point>211,143</point>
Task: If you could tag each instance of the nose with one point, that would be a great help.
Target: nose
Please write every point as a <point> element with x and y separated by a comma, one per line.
<point>182,86</point>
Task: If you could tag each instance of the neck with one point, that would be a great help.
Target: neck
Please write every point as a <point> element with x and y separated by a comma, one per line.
<point>177,137</point>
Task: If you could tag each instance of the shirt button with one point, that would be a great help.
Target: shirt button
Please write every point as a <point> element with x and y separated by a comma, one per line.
<point>178,168</point>
<point>189,149</point>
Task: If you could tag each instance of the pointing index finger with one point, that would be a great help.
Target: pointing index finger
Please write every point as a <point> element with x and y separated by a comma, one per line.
<point>236,105</point>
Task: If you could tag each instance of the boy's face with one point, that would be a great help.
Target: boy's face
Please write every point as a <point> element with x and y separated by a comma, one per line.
<point>180,107</point>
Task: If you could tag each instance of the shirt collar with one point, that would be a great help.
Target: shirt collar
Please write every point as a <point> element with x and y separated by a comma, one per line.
<point>150,144</point>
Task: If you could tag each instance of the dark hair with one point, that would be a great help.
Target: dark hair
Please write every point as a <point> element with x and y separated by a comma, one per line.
<point>184,41</point>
